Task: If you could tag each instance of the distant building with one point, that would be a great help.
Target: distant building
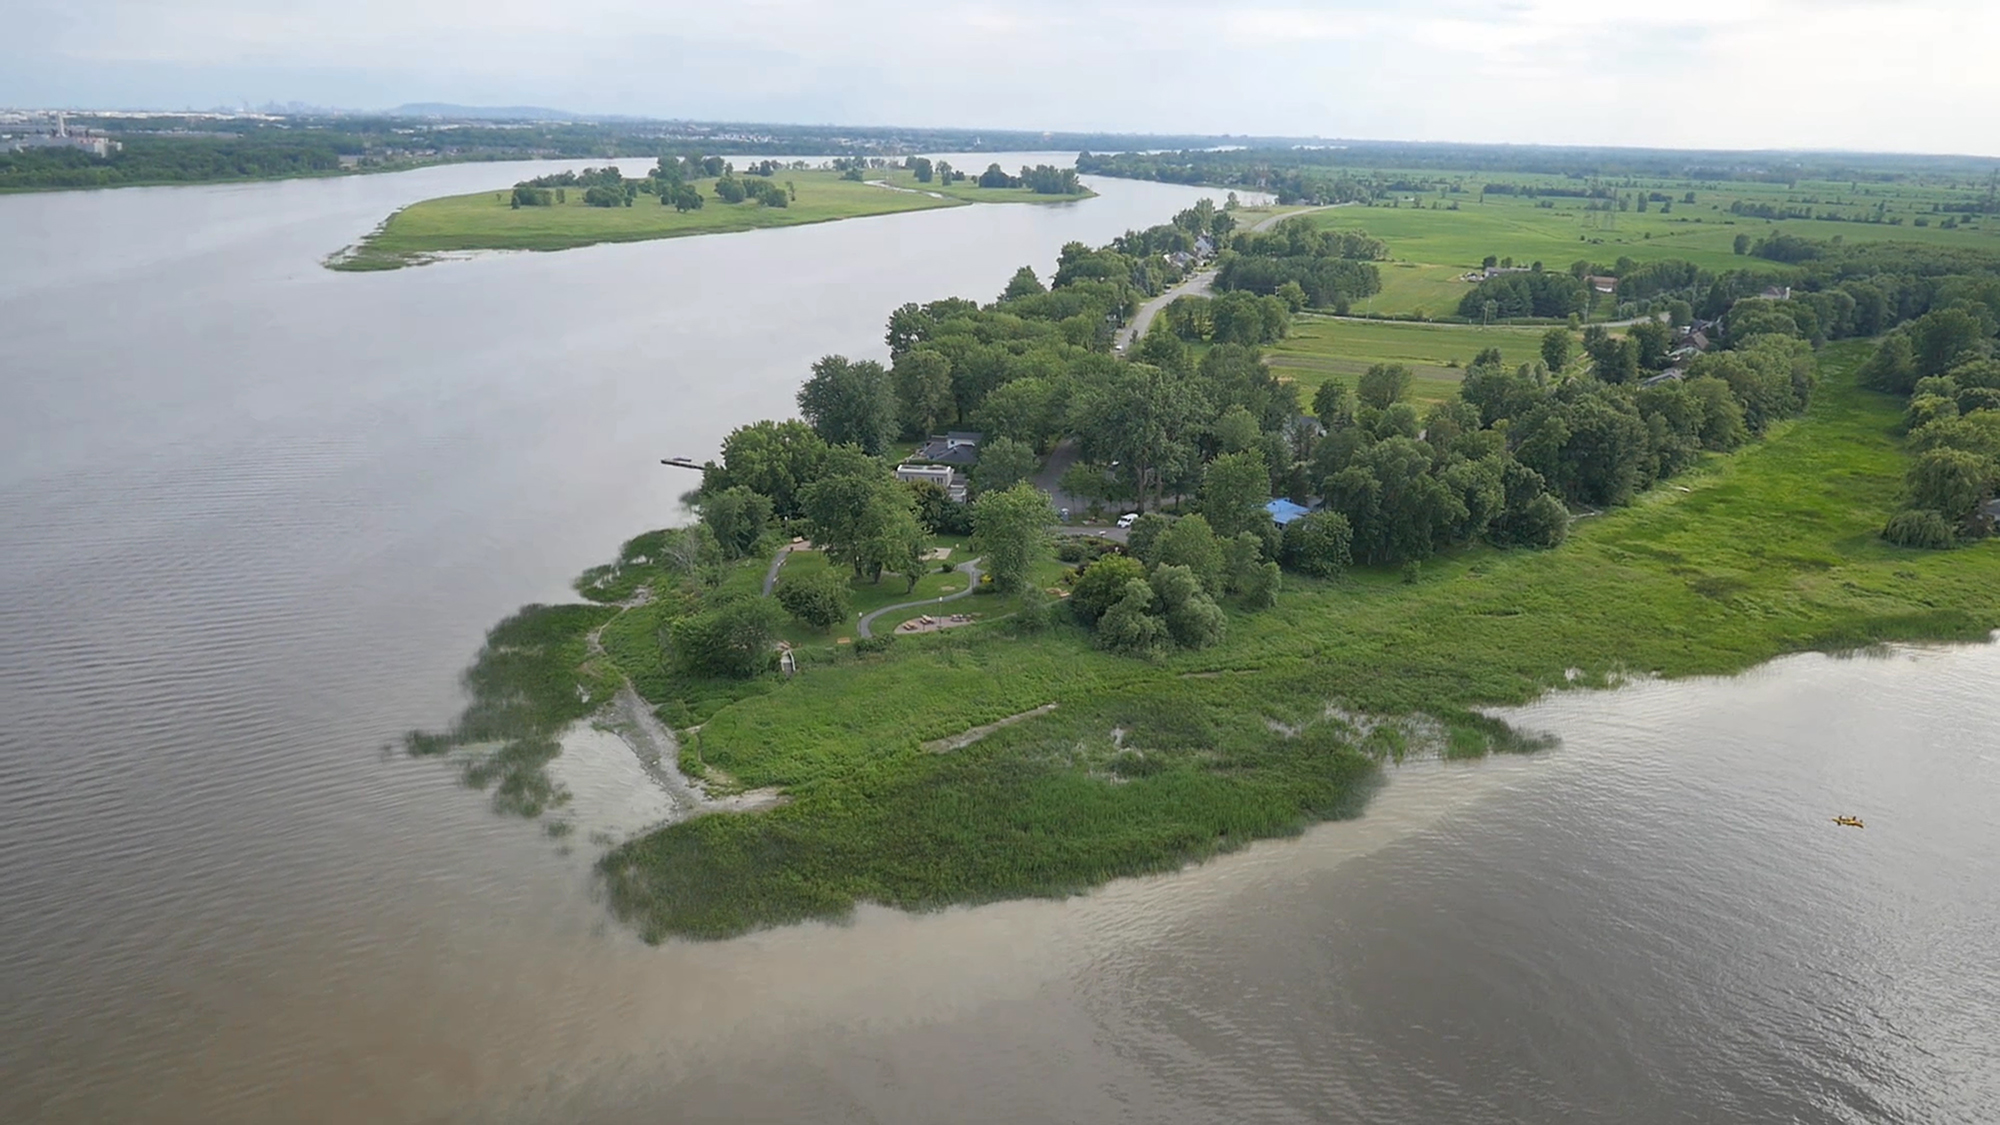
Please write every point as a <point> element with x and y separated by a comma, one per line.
<point>958,447</point>
<point>1204,248</point>
<point>944,476</point>
<point>1777,293</point>
<point>1284,511</point>
<point>99,146</point>
<point>1670,375</point>
<point>1602,284</point>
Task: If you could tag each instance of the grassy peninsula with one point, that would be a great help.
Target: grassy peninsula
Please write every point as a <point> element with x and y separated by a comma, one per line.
<point>1557,515</point>
<point>490,220</point>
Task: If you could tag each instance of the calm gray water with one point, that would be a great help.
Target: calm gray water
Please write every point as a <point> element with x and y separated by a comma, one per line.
<point>255,516</point>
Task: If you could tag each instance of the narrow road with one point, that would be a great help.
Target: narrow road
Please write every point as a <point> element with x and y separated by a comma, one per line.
<point>969,569</point>
<point>1195,286</point>
<point>777,560</point>
<point>1270,221</point>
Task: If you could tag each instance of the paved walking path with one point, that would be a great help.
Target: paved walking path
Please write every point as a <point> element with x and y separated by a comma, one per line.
<point>969,569</point>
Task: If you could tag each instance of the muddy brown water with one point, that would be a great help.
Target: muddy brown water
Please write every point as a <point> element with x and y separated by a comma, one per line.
<point>255,516</point>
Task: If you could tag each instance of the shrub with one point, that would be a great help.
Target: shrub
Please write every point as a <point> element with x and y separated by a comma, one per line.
<point>1920,527</point>
<point>818,599</point>
<point>1319,544</point>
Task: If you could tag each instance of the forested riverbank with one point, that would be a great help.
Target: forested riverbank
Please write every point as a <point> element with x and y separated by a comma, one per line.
<point>1217,679</point>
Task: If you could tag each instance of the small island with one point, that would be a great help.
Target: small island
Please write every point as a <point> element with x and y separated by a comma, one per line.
<point>687,196</point>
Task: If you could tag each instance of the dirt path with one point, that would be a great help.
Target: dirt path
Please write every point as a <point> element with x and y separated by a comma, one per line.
<point>969,569</point>
<point>967,738</point>
<point>777,560</point>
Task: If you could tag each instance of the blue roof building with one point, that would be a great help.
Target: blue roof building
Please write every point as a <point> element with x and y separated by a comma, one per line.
<point>1284,511</point>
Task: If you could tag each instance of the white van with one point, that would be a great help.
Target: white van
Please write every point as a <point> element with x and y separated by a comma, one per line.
<point>1128,519</point>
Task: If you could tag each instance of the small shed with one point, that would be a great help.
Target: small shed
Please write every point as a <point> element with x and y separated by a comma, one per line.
<point>1284,511</point>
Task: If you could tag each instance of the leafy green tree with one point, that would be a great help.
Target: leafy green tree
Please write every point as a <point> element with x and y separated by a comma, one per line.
<point>738,517</point>
<point>1951,482</point>
<point>1144,419</point>
<point>1004,463</point>
<point>1028,410</point>
<point>1023,284</point>
<point>1102,584</point>
<point>1010,530</point>
<point>1243,556</point>
<point>922,380</point>
<point>1893,367</point>
<point>818,599</point>
<point>1319,544</point>
<point>850,403</point>
<point>1260,590</point>
<point>1191,542</point>
<point>1237,430</point>
<point>1943,339</point>
<point>1234,490</point>
<point>1742,244</point>
<point>1384,385</point>
<point>922,167</point>
<point>1126,627</point>
<point>730,190</point>
<point>896,542</point>
<point>1652,340</point>
<point>1332,405</point>
<point>1556,348</point>
<point>1193,619</point>
<point>732,639</point>
<point>1143,539</point>
<point>774,459</point>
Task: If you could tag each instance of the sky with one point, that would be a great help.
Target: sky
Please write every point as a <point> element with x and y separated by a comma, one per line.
<point>1903,76</point>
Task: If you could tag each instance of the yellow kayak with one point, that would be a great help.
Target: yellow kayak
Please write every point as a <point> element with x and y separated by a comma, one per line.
<point>1849,822</point>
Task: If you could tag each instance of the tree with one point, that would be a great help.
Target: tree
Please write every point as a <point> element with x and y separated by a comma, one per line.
<point>1010,530</point>
<point>1951,482</point>
<point>1143,419</point>
<point>1556,348</point>
<point>1193,619</point>
<point>1004,463</point>
<point>1742,244</point>
<point>818,599</point>
<point>1260,590</point>
<point>730,190</point>
<point>1651,340</point>
<point>1101,585</point>
<point>1318,544</point>
<point>1128,628</point>
<point>1331,403</point>
<point>737,517</point>
<point>1893,367</point>
<point>850,403</point>
<point>775,459</point>
<point>732,639</point>
<point>1943,339</point>
<point>1383,385</point>
<point>1143,538</point>
<point>1237,430</point>
<point>896,542</point>
<point>1190,542</point>
<point>922,167</point>
<point>922,380</point>
<point>1234,490</point>
<point>1023,284</point>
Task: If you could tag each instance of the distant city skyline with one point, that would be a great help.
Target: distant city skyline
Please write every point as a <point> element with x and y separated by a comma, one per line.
<point>1862,75</point>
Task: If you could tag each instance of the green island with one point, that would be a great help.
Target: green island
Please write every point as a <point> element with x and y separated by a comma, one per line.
<point>1348,539</point>
<point>686,196</point>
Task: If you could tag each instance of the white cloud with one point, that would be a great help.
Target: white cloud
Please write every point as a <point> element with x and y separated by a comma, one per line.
<point>1719,73</point>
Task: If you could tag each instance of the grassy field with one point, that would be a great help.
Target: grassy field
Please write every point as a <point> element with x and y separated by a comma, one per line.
<point>1144,766</point>
<point>1432,245</point>
<point>485,221</point>
<point>968,192</point>
<point>1322,348</point>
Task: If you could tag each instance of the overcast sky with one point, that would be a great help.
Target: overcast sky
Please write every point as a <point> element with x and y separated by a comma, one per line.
<point>1909,75</point>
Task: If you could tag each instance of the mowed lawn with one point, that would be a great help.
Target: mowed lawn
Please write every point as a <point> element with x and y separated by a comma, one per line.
<point>1322,348</point>
<point>487,221</point>
<point>968,191</point>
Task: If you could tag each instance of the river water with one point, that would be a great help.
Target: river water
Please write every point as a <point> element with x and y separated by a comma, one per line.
<point>255,516</point>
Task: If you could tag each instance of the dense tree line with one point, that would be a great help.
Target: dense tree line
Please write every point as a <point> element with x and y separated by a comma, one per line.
<point>1324,269</point>
<point>1534,293</point>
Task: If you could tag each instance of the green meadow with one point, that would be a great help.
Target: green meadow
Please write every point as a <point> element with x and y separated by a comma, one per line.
<point>967,191</point>
<point>1144,766</point>
<point>486,221</point>
<point>1321,348</point>
<point>1432,245</point>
